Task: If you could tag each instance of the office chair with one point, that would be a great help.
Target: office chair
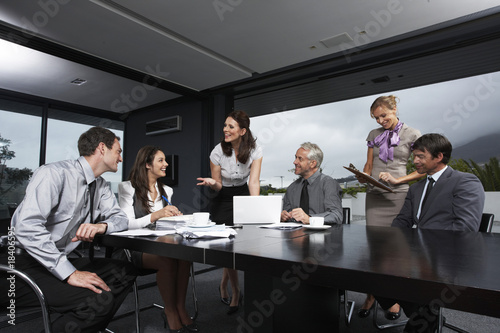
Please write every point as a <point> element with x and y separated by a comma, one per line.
<point>486,222</point>
<point>485,226</point>
<point>41,297</point>
<point>348,305</point>
<point>137,309</point>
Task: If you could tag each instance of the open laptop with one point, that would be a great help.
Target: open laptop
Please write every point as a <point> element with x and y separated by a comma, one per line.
<point>257,209</point>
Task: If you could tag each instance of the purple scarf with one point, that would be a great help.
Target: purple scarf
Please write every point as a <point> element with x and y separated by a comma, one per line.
<point>386,142</point>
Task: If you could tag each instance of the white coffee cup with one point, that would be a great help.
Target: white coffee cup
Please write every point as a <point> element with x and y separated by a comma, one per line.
<point>200,218</point>
<point>316,221</point>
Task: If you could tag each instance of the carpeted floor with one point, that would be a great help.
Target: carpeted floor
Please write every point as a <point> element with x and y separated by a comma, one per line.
<point>212,317</point>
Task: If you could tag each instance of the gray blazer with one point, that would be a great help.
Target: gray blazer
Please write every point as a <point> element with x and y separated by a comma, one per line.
<point>455,203</point>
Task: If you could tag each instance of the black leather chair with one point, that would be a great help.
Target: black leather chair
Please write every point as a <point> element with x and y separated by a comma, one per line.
<point>485,226</point>
<point>486,222</point>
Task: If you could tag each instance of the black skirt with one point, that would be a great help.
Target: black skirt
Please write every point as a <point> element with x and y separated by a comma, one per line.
<point>221,211</point>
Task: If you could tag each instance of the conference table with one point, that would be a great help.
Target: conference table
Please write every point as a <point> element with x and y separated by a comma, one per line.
<point>293,276</point>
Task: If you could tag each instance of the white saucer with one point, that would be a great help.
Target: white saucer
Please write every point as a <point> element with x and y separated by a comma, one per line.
<point>317,227</point>
<point>200,226</point>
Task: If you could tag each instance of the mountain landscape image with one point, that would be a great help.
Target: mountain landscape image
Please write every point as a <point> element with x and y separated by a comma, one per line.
<point>479,150</point>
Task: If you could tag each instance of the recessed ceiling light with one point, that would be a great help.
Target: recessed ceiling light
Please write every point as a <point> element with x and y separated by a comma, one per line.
<point>78,81</point>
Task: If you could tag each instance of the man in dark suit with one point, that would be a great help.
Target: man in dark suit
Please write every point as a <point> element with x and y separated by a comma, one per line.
<point>455,201</point>
<point>447,200</point>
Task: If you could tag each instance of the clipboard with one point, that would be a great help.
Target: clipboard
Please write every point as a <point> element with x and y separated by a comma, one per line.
<point>369,179</point>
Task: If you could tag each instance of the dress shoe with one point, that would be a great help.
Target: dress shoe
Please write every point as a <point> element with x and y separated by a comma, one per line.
<point>393,315</point>
<point>363,313</point>
<point>165,325</point>
<point>224,300</point>
<point>234,309</point>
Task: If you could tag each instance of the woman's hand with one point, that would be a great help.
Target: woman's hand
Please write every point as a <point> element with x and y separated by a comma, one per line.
<point>166,211</point>
<point>206,181</point>
<point>387,177</point>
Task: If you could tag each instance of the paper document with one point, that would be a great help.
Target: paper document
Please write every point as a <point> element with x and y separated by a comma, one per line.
<point>283,226</point>
<point>143,232</point>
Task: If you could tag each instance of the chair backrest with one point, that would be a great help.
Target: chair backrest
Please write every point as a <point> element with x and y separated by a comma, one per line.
<point>346,219</point>
<point>486,222</point>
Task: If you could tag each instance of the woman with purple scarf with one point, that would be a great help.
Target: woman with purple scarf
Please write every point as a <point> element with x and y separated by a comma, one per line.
<point>389,148</point>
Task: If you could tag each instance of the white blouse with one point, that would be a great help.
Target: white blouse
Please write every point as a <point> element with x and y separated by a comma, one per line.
<point>233,172</point>
<point>126,201</point>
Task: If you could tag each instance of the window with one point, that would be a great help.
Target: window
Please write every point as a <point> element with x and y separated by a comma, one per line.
<point>63,131</point>
<point>20,129</point>
<point>21,140</point>
<point>466,111</point>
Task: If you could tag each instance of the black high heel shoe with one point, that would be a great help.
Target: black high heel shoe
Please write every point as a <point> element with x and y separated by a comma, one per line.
<point>363,313</point>
<point>393,315</point>
<point>234,309</point>
<point>224,300</point>
<point>191,327</point>
<point>165,325</point>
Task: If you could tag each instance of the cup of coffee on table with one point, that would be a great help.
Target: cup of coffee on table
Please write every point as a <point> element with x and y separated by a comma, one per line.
<point>201,218</point>
<point>316,221</point>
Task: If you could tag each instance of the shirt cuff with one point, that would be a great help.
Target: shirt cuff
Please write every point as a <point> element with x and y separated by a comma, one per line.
<point>63,269</point>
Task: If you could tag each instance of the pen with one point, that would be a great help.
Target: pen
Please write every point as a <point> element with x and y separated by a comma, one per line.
<point>168,202</point>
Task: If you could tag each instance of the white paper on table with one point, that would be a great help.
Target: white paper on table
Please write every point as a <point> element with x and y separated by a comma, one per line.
<point>216,231</point>
<point>144,232</point>
<point>283,225</point>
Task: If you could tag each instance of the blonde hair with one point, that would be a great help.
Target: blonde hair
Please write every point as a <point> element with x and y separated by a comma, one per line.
<point>390,102</point>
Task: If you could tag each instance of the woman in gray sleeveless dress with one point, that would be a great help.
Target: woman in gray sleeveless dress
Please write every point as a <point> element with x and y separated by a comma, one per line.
<point>389,148</point>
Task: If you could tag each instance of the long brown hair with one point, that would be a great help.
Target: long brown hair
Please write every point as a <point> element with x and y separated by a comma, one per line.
<point>139,176</point>
<point>247,141</point>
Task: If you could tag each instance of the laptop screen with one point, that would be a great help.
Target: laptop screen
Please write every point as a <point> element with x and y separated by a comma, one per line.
<point>257,209</point>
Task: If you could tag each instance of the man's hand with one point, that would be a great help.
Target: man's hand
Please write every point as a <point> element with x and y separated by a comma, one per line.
<point>285,216</point>
<point>88,280</point>
<point>87,231</point>
<point>300,216</point>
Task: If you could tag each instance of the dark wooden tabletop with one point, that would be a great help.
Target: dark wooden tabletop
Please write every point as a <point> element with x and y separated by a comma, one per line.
<point>459,270</point>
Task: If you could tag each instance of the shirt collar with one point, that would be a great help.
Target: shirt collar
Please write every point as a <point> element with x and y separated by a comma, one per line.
<point>313,177</point>
<point>438,174</point>
<point>87,169</point>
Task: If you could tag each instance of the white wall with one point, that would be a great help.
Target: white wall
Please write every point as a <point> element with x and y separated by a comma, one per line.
<point>357,205</point>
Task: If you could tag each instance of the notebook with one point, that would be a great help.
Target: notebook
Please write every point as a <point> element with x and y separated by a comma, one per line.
<point>257,209</point>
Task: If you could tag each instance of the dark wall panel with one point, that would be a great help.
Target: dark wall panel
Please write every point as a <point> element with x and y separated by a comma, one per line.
<point>187,144</point>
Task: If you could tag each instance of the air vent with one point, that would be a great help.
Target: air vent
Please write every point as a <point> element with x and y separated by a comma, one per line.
<point>78,82</point>
<point>336,40</point>
<point>381,79</point>
<point>164,125</point>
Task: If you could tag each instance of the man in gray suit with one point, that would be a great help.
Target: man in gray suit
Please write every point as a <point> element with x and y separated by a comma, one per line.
<point>456,199</point>
<point>446,200</point>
